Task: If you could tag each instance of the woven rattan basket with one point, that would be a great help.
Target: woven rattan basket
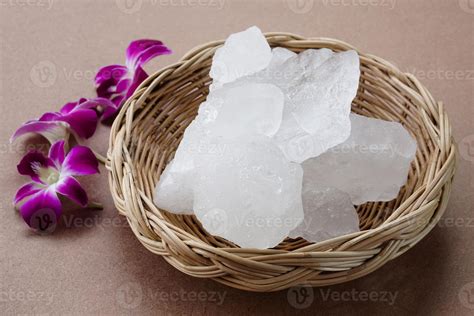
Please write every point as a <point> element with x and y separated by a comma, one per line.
<point>149,128</point>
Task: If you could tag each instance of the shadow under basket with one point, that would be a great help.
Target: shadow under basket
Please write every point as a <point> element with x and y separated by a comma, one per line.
<point>150,126</point>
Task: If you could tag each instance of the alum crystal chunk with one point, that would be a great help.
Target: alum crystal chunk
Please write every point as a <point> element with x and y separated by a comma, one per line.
<point>328,213</point>
<point>242,54</point>
<point>371,165</point>
<point>318,86</point>
<point>244,109</point>
<point>174,191</point>
<point>251,195</point>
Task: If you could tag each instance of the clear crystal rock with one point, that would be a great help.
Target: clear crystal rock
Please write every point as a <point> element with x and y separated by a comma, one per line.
<point>244,109</point>
<point>371,165</point>
<point>174,191</point>
<point>279,56</point>
<point>328,213</point>
<point>242,54</point>
<point>318,87</point>
<point>251,195</point>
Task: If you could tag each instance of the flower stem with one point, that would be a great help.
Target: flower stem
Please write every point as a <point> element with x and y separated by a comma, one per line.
<point>95,206</point>
<point>99,157</point>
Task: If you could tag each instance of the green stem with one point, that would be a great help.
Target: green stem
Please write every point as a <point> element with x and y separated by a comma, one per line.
<point>95,206</point>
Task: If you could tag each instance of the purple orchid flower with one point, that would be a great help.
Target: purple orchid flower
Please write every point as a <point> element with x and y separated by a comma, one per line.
<point>79,117</point>
<point>117,83</point>
<point>52,175</point>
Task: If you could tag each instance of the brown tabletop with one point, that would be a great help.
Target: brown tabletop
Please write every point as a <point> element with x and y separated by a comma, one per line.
<point>93,264</point>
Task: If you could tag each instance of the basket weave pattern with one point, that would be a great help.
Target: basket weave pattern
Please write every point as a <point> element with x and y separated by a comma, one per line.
<point>150,126</point>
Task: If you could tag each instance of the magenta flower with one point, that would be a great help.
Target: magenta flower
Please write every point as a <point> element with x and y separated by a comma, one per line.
<point>79,117</point>
<point>52,175</point>
<point>117,83</point>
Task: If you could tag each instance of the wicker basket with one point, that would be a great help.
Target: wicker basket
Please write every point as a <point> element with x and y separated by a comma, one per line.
<point>149,128</point>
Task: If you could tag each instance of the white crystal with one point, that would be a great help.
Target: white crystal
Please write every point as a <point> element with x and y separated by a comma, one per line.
<point>242,54</point>
<point>323,100</point>
<point>279,56</point>
<point>371,165</point>
<point>328,213</point>
<point>174,191</point>
<point>251,195</point>
<point>318,87</point>
<point>245,109</point>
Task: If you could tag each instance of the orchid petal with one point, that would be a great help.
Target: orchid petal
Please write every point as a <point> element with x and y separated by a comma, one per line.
<point>49,116</point>
<point>52,131</point>
<point>56,153</point>
<point>112,73</point>
<point>83,122</point>
<point>123,85</point>
<point>141,51</point>
<point>26,190</point>
<point>80,161</point>
<point>72,189</point>
<point>68,107</point>
<point>138,78</point>
<point>44,199</point>
<point>30,164</point>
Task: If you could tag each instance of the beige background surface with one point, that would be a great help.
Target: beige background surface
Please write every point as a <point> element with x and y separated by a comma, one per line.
<point>93,264</point>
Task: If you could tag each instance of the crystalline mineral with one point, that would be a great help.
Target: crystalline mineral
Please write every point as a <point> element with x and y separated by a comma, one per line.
<point>174,191</point>
<point>238,168</point>
<point>244,109</point>
<point>251,195</point>
<point>230,112</point>
<point>371,165</point>
<point>328,213</point>
<point>279,56</point>
<point>318,87</point>
<point>242,54</point>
